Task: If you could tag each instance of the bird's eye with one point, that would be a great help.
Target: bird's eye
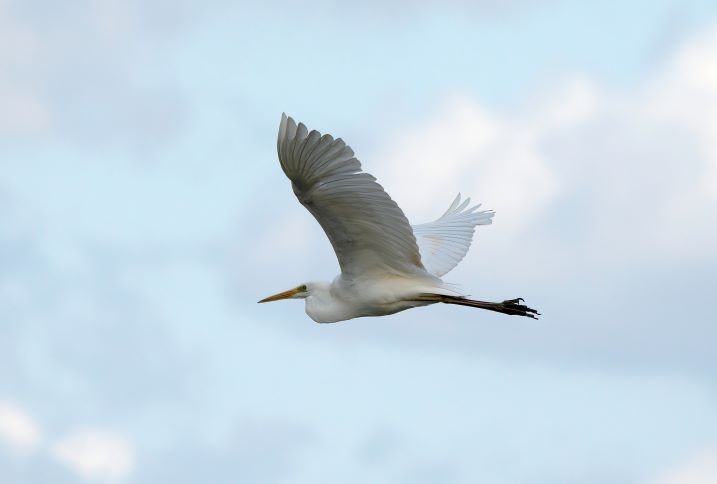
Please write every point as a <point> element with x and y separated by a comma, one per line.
<point>302,288</point>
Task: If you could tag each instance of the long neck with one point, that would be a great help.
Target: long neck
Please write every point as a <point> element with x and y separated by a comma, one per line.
<point>322,306</point>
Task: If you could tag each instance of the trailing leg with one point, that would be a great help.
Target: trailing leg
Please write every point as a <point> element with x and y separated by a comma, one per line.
<point>509,306</point>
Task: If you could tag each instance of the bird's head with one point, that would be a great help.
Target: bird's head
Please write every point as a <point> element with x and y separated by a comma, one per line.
<point>299,292</point>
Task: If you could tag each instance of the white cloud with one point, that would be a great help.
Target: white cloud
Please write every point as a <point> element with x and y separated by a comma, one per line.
<point>96,454</point>
<point>22,112</point>
<point>90,96</point>
<point>21,109</point>
<point>671,123</point>
<point>632,176</point>
<point>701,468</point>
<point>18,429</point>
<point>469,149</point>
<point>113,18</point>
<point>90,452</point>
<point>686,93</point>
<point>577,100</point>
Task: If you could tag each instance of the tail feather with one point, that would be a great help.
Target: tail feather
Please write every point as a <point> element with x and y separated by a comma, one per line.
<point>510,306</point>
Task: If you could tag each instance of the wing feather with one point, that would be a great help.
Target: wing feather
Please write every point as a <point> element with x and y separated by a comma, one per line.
<point>444,242</point>
<point>367,229</point>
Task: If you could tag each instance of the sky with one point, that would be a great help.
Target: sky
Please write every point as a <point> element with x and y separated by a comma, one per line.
<point>143,212</point>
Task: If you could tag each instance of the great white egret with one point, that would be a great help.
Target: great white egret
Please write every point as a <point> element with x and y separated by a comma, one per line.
<point>386,265</point>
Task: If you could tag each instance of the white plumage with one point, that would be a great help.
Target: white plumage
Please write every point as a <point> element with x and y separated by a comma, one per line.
<point>444,242</point>
<point>386,265</point>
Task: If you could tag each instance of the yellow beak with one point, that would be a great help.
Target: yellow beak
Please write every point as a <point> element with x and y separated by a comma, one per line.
<point>282,295</point>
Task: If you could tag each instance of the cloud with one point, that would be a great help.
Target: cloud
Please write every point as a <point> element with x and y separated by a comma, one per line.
<point>464,147</point>
<point>90,452</point>
<point>684,97</point>
<point>82,83</point>
<point>96,454</point>
<point>23,111</point>
<point>397,11</point>
<point>700,468</point>
<point>18,429</point>
<point>581,166</point>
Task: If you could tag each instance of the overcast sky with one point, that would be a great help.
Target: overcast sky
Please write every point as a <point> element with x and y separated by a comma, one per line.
<point>143,213</point>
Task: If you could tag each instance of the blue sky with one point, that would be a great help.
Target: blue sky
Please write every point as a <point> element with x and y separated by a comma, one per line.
<point>144,213</point>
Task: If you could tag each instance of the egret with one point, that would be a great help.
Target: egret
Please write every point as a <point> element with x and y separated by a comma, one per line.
<point>386,264</point>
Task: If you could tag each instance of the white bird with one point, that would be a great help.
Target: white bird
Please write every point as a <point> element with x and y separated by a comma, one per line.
<point>386,265</point>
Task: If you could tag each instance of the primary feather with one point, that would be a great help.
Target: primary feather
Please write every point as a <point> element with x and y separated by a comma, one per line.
<point>444,242</point>
<point>367,230</point>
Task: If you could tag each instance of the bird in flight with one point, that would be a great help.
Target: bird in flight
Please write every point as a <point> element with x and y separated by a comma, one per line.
<point>387,265</point>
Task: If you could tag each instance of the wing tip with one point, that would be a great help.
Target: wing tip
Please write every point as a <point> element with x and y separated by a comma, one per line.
<point>462,207</point>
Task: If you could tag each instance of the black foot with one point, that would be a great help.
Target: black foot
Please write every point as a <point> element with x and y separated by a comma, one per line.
<point>514,306</point>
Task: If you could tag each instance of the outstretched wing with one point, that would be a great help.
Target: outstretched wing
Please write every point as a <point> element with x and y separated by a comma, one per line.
<point>444,242</point>
<point>367,230</point>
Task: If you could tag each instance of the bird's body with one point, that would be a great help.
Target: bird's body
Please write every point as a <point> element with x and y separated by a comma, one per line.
<point>387,265</point>
<point>376,296</point>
